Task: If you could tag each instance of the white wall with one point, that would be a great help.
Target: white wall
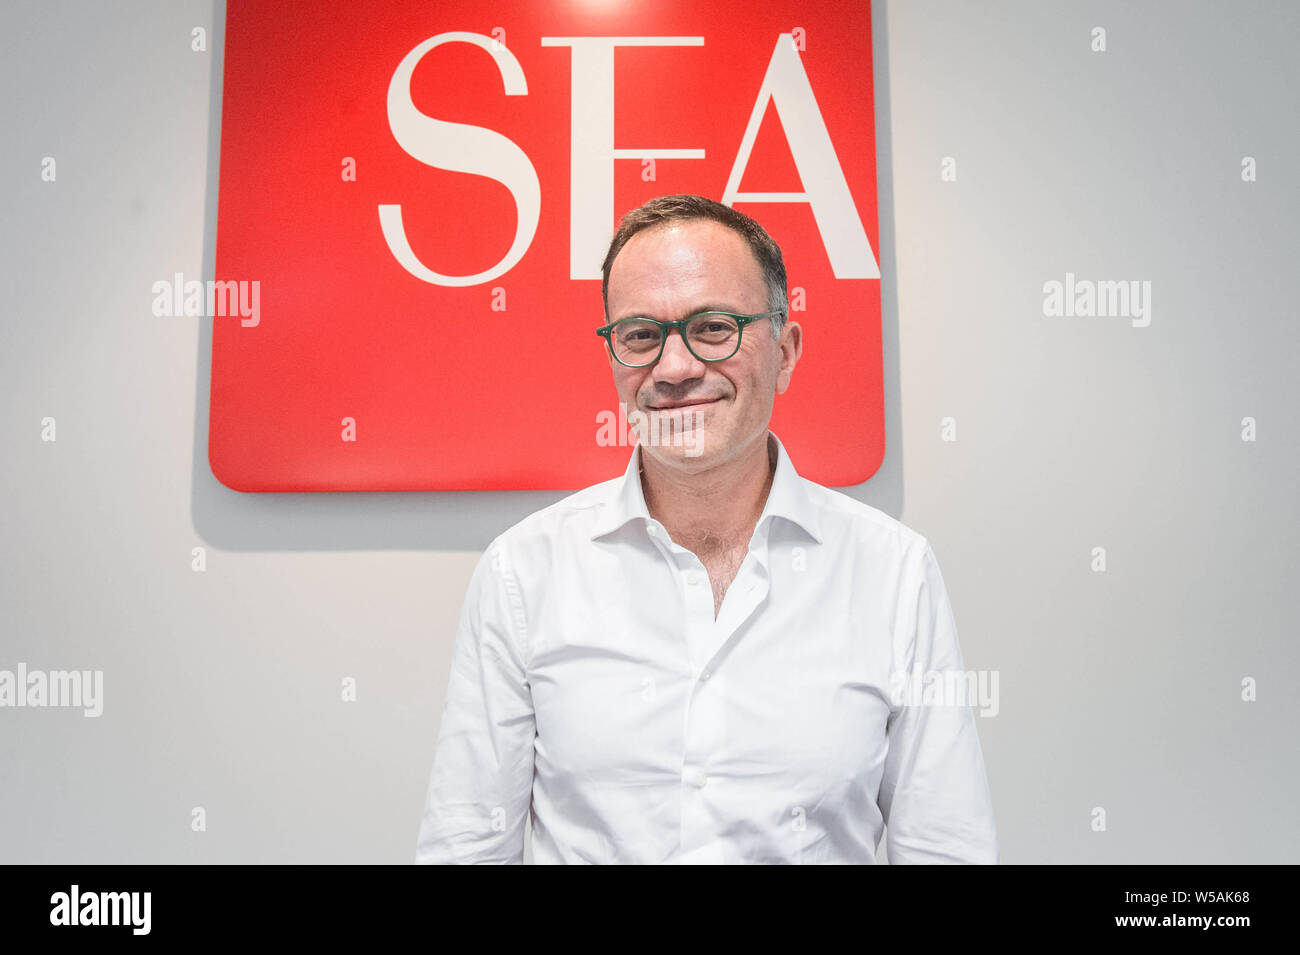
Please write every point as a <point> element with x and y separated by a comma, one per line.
<point>1119,689</point>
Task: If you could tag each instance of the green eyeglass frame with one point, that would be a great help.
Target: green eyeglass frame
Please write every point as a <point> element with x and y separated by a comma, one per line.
<point>606,332</point>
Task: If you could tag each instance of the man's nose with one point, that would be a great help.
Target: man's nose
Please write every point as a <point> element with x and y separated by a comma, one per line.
<point>677,363</point>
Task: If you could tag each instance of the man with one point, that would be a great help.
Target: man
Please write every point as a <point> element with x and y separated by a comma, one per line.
<point>700,661</point>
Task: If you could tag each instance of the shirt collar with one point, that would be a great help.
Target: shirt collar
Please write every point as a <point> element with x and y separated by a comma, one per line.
<point>787,498</point>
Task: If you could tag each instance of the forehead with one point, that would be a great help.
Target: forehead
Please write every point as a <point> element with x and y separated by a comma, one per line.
<point>683,266</point>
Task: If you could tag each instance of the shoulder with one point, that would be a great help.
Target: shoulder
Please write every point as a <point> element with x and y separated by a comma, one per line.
<point>854,525</point>
<point>568,520</point>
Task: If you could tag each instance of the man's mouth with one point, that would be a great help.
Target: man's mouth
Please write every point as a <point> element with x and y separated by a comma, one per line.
<point>691,403</point>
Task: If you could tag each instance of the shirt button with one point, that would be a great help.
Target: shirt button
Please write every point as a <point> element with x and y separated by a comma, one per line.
<point>705,675</point>
<point>699,778</point>
<point>692,578</point>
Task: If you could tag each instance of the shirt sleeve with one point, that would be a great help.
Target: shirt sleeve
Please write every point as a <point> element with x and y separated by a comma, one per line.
<point>480,788</point>
<point>934,794</point>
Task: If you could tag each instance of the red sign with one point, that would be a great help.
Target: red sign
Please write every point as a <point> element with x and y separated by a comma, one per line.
<point>413,185</point>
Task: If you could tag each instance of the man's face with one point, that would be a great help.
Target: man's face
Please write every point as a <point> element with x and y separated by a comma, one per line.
<point>669,272</point>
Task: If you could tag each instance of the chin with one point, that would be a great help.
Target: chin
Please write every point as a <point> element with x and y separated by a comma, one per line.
<point>676,435</point>
<point>682,449</point>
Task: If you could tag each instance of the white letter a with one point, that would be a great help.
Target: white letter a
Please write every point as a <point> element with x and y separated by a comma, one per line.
<point>826,190</point>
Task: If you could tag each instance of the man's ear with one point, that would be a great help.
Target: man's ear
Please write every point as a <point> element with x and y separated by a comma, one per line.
<point>791,346</point>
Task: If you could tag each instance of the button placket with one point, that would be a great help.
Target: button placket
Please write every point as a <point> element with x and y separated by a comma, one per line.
<point>705,735</point>
<point>704,730</point>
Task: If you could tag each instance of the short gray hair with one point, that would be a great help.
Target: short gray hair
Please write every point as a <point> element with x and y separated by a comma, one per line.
<point>681,208</point>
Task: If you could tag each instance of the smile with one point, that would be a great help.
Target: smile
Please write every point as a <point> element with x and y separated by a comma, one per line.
<point>684,404</point>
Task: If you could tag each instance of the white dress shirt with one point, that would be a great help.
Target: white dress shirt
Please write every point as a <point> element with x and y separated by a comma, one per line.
<point>591,685</point>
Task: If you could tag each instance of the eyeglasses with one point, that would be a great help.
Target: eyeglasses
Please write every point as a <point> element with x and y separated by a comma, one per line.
<point>709,336</point>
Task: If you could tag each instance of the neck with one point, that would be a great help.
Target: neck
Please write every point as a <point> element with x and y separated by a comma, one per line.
<point>712,509</point>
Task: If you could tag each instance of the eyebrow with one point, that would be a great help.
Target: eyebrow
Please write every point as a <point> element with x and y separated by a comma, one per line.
<point>710,307</point>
